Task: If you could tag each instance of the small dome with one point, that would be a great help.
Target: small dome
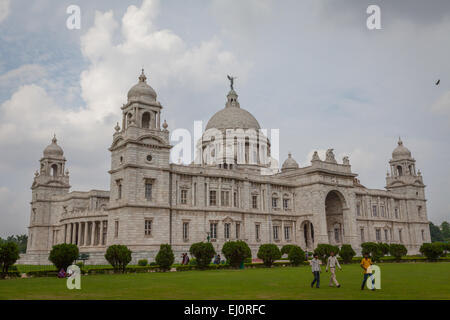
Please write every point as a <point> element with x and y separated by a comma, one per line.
<point>289,163</point>
<point>142,91</point>
<point>53,150</point>
<point>233,116</point>
<point>401,152</point>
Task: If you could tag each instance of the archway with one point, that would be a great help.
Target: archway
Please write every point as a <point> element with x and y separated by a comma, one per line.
<point>307,231</point>
<point>334,208</point>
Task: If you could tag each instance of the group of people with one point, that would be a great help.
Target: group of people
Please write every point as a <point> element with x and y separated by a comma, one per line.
<point>332,262</point>
<point>185,258</point>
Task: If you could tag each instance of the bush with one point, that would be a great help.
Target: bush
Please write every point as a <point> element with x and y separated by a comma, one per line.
<point>9,254</point>
<point>431,250</point>
<point>119,256</point>
<point>193,262</point>
<point>143,262</point>
<point>287,248</point>
<point>203,253</point>
<point>372,249</point>
<point>269,253</point>
<point>152,264</point>
<point>165,257</point>
<point>383,248</point>
<point>236,252</point>
<point>347,253</point>
<point>397,250</point>
<point>323,250</point>
<point>296,255</point>
<point>63,255</point>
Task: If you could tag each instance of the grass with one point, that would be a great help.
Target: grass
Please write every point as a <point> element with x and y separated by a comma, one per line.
<point>398,281</point>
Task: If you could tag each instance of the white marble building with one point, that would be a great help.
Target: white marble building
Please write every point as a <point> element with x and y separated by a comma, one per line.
<point>223,196</point>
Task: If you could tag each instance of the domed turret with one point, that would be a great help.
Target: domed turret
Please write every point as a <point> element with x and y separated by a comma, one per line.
<point>142,91</point>
<point>53,150</point>
<point>401,152</point>
<point>289,163</point>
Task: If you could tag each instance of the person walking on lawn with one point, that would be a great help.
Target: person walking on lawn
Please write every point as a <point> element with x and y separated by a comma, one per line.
<point>366,263</point>
<point>332,262</point>
<point>315,268</point>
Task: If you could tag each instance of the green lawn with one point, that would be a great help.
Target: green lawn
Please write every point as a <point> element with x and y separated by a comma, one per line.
<point>399,281</point>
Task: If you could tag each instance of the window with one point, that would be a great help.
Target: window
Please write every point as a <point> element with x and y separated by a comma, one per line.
<point>235,199</point>
<point>382,211</point>
<point>358,210</point>
<point>54,169</point>
<point>286,204</point>
<point>227,230</point>
<point>274,203</point>
<point>399,170</point>
<point>148,191</point>
<point>238,230</point>
<point>146,120</point>
<point>287,233</point>
<point>148,227</point>
<point>116,229</point>
<point>336,234</point>
<point>212,197</point>
<point>276,230</point>
<point>386,235</point>
<point>213,230</point>
<point>119,189</point>
<point>183,196</point>
<point>362,236</point>
<point>104,231</point>
<point>378,234</point>
<point>225,198</point>
<point>400,238</point>
<point>423,235</point>
<point>396,213</point>
<point>255,202</point>
<point>374,211</point>
<point>419,211</point>
<point>257,232</point>
<point>185,231</point>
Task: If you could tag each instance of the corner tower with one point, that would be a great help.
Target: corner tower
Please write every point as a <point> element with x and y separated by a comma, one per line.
<point>139,175</point>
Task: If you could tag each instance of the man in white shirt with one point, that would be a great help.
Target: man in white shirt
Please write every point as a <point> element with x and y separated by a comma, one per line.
<point>331,263</point>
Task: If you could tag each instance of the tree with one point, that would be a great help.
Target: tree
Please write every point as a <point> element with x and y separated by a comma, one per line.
<point>236,252</point>
<point>435,233</point>
<point>165,257</point>
<point>347,253</point>
<point>269,253</point>
<point>372,249</point>
<point>296,255</point>
<point>323,250</point>
<point>384,248</point>
<point>431,250</point>
<point>119,256</point>
<point>20,240</point>
<point>63,255</point>
<point>203,253</point>
<point>9,254</point>
<point>397,250</point>
<point>445,230</point>
<point>287,248</point>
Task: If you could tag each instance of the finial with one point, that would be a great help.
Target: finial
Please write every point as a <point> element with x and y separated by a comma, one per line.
<point>142,77</point>
<point>67,172</point>
<point>231,78</point>
<point>36,173</point>
<point>400,142</point>
<point>165,125</point>
<point>289,154</point>
<point>54,138</point>
<point>117,128</point>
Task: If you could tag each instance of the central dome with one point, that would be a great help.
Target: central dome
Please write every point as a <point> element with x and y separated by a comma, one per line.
<point>142,91</point>
<point>232,116</point>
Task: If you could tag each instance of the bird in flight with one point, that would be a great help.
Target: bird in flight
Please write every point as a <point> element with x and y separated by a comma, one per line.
<point>439,81</point>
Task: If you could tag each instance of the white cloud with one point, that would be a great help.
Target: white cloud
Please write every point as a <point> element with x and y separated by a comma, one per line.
<point>24,74</point>
<point>4,9</point>
<point>442,105</point>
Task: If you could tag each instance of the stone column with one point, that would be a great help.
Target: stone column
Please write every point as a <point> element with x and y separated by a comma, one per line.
<point>79,233</point>
<point>71,233</point>
<point>93,233</point>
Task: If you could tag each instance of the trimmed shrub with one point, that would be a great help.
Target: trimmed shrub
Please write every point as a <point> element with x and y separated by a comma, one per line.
<point>431,250</point>
<point>165,257</point>
<point>269,253</point>
<point>397,250</point>
<point>323,250</point>
<point>193,262</point>
<point>296,255</point>
<point>143,262</point>
<point>347,253</point>
<point>63,255</point>
<point>372,249</point>
<point>119,256</point>
<point>287,248</point>
<point>383,248</point>
<point>9,254</point>
<point>236,252</point>
<point>203,253</point>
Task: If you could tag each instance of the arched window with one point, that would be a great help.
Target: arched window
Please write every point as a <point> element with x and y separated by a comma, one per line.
<point>399,170</point>
<point>146,120</point>
<point>54,169</point>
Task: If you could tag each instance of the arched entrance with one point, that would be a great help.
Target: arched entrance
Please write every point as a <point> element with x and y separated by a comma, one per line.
<point>334,208</point>
<point>307,231</point>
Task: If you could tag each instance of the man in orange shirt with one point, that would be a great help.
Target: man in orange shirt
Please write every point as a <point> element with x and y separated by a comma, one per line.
<point>366,262</point>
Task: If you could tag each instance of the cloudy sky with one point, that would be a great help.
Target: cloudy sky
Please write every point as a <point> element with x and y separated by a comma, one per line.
<point>310,68</point>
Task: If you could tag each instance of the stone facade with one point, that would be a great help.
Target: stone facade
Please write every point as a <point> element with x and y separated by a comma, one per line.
<point>152,201</point>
